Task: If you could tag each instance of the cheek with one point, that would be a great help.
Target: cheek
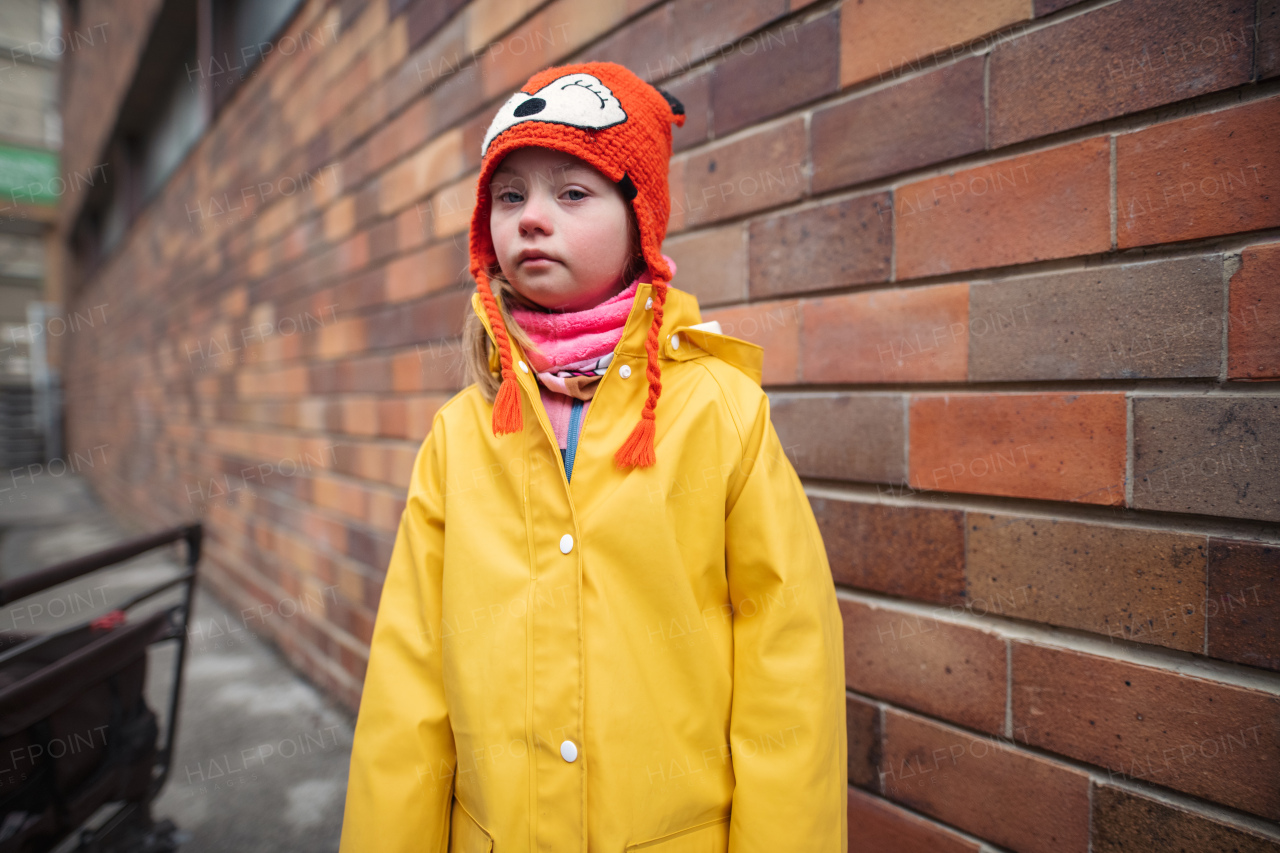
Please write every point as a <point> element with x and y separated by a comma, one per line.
<point>601,239</point>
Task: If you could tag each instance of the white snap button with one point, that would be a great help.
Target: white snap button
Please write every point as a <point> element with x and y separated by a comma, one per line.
<point>524,367</point>
<point>569,751</point>
<point>625,371</point>
<point>648,303</point>
<point>675,342</point>
<point>566,545</point>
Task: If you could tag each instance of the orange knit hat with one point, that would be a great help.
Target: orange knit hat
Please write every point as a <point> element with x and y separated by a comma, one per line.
<point>605,115</point>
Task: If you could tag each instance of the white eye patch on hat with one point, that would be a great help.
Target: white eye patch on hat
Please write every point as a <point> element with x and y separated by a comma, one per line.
<point>576,100</point>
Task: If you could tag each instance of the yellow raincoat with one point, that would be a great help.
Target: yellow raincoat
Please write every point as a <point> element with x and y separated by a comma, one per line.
<point>648,659</point>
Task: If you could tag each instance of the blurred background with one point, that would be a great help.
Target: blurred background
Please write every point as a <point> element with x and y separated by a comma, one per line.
<point>1015,265</point>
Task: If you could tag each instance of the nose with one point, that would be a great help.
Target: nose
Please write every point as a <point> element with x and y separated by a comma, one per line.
<point>534,215</point>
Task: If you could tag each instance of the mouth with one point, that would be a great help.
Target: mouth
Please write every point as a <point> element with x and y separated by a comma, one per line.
<point>532,257</point>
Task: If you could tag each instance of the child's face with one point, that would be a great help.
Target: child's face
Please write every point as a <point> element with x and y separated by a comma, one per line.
<point>559,228</point>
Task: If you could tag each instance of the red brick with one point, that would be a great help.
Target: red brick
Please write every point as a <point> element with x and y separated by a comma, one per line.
<point>774,71</point>
<point>905,551</point>
<point>878,36</point>
<point>1199,176</point>
<point>1151,725</point>
<point>879,826</point>
<point>1117,60</point>
<point>937,668</point>
<point>1131,584</point>
<point>1243,607</point>
<point>753,172</point>
<point>913,335</point>
<point>1124,822</point>
<point>1050,204</point>
<point>985,786</point>
<point>772,325</point>
<point>420,273</point>
<point>917,122</point>
<point>832,245</point>
<point>1253,331</point>
<point>1068,447</point>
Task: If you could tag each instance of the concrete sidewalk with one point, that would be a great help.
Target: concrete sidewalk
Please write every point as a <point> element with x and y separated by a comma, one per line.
<point>261,758</point>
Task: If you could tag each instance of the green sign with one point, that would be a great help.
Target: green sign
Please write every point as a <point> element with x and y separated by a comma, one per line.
<point>30,176</point>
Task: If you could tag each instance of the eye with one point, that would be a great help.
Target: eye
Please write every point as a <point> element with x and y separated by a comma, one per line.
<point>509,196</point>
<point>574,194</point>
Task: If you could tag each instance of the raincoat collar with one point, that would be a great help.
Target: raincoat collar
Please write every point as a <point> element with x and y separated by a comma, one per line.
<point>680,314</point>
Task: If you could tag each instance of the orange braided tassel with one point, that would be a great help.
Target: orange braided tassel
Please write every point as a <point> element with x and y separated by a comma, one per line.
<point>507,416</point>
<point>637,450</point>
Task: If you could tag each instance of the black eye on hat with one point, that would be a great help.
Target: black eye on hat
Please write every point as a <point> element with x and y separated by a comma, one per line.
<point>531,107</point>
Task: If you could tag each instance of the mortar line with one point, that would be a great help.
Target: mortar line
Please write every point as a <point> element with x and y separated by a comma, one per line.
<point>1111,648</point>
<point>1180,800</point>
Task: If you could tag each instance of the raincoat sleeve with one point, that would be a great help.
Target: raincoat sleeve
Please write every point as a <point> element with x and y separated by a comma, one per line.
<point>787,733</point>
<point>399,788</point>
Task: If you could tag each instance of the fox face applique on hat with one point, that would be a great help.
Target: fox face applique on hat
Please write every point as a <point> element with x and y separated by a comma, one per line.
<point>605,115</point>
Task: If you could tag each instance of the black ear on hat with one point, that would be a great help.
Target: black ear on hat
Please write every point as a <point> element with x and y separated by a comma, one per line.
<point>677,108</point>
<point>627,188</point>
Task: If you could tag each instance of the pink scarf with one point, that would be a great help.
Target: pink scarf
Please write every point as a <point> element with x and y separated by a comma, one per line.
<point>573,349</point>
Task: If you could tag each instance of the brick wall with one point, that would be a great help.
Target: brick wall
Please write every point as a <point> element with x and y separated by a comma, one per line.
<point>1016,268</point>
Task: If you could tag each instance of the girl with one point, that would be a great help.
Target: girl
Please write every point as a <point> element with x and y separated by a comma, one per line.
<point>608,622</point>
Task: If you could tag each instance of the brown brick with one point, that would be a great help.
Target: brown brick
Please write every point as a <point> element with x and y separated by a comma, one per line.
<point>694,94</point>
<point>774,71</point>
<point>917,122</point>
<point>1124,822</point>
<point>772,325</point>
<point>1205,738</point>
<point>750,173</point>
<point>1068,447</point>
<point>1268,39</point>
<point>1117,60</point>
<point>1048,7</point>
<point>555,32</point>
<point>1141,585</point>
<point>1209,455</point>
<point>1050,204</point>
<point>913,335</point>
<point>878,36</point>
<point>937,668</point>
<point>1149,320</point>
<point>907,551</point>
<point>880,826</point>
<point>420,273</point>
<point>816,433</point>
<point>1253,331</point>
<point>863,722</point>
<point>985,786</point>
<point>1243,610</point>
<point>1199,176</point>
<point>642,45</point>
<point>702,27</point>
<point>712,265</point>
<point>831,245</point>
